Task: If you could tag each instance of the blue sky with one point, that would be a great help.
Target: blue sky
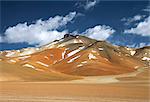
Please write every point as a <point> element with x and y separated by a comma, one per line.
<point>35,23</point>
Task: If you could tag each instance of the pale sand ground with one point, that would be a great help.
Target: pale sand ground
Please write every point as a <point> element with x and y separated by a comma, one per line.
<point>135,87</point>
<point>59,92</point>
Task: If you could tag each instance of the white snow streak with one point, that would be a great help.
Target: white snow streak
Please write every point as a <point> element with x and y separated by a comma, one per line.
<point>75,51</point>
<point>71,60</point>
<point>42,63</point>
<point>29,65</point>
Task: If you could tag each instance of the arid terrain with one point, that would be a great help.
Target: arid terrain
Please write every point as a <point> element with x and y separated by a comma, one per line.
<point>75,69</point>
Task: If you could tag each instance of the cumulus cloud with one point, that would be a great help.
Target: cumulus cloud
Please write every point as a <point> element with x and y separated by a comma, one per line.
<point>142,28</point>
<point>129,20</point>
<point>90,4</point>
<point>41,32</point>
<point>45,31</point>
<point>87,4</point>
<point>99,32</point>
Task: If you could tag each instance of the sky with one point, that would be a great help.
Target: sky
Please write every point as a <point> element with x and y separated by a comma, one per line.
<point>36,23</point>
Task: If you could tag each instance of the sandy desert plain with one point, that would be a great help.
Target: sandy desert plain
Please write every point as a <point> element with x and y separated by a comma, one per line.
<point>135,87</point>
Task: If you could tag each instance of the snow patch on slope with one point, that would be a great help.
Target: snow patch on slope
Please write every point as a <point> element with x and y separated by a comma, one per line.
<point>13,61</point>
<point>84,62</point>
<point>43,64</point>
<point>23,57</point>
<point>146,58</point>
<point>79,65</point>
<point>75,51</point>
<point>10,54</point>
<point>101,49</point>
<point>132,52</point>
<point>91,56</point>
<point>71,60</point>
<point>63,54</point>
<point>29,65</point>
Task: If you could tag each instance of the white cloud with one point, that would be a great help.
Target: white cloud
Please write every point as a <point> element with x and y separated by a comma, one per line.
<point>1,39</point>
<point>41,32</point>
<point>100,32</point>
<point>129,20</point>
<point>147,9</point>
<point>143,28</point>
<point>90,4</point>
<point>138,17</point>
<point>140,45</point>
<point>46,31</point>
<point>143,44</point>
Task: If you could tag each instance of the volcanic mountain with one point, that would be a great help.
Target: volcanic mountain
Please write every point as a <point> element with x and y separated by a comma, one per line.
<point>71,57</point>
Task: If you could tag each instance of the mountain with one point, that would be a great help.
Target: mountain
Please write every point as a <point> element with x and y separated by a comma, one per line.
<point>72,57</point>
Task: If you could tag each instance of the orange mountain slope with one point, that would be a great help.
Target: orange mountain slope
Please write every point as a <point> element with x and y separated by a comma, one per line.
<point>75,56</point>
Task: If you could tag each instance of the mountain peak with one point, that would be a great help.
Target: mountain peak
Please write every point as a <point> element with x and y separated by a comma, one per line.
<point>68,35</point>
